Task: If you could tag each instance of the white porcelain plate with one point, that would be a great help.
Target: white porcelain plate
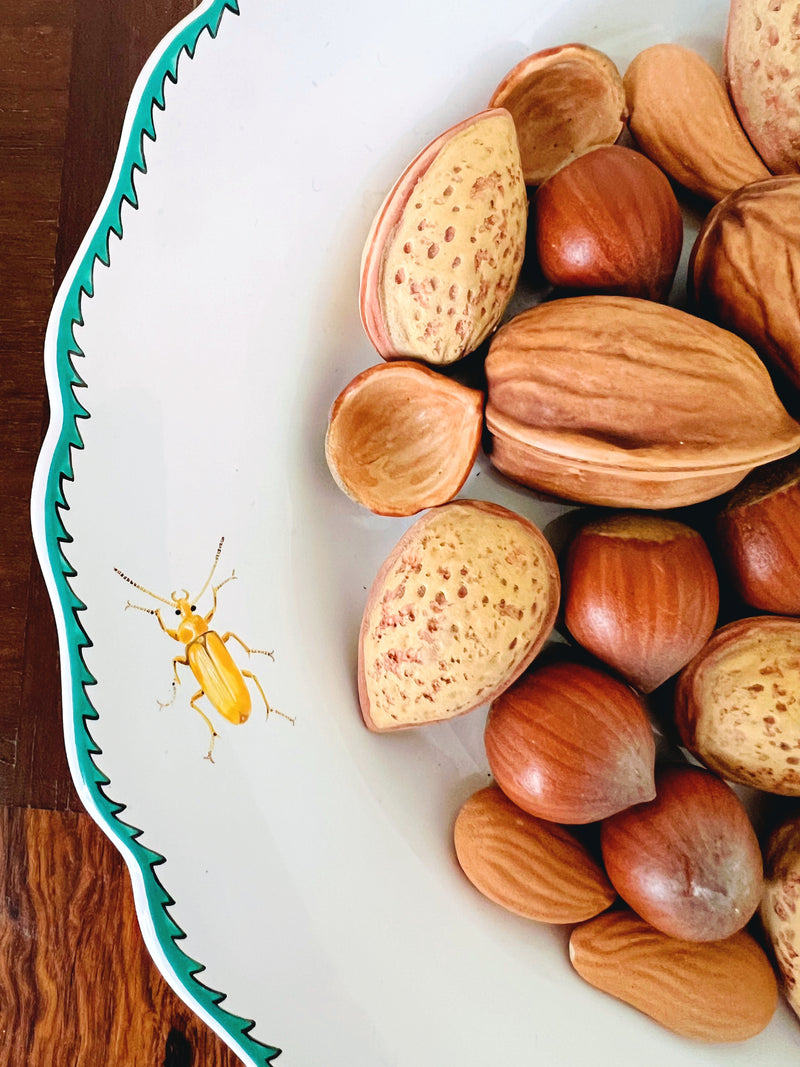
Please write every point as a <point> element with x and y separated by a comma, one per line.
<point>301,891</point>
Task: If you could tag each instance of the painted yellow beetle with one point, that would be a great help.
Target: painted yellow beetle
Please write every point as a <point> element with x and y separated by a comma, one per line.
<point>206,654</point>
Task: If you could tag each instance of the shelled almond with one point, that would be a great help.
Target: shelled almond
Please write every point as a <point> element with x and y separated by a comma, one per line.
<point>716,991</point>
<point>535,868</point>
<point>682,118</point>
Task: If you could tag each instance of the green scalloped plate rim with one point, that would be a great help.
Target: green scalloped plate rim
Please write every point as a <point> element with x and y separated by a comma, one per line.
<point>49,503</point>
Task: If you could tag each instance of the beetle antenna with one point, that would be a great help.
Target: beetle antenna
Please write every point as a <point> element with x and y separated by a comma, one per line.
<point>138,607</point>
<point>141,589</point>
<point>213,568</point>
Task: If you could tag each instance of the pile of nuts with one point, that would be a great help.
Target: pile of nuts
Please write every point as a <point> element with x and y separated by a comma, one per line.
<point>603,394</point>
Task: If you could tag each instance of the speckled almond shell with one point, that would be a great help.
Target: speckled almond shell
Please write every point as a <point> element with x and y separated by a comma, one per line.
<point>762,70</point>
<point>624,402</point>
<point>444,253</point>
<point>457,611</point>
<point>737,704</point>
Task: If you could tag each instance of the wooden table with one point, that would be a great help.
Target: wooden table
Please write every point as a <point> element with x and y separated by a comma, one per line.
<point>77,987</point>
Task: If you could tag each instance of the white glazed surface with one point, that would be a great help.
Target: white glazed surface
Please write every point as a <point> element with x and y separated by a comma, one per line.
<point>311,865</point>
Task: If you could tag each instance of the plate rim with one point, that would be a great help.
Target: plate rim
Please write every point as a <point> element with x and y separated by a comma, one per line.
<point>49,504</point>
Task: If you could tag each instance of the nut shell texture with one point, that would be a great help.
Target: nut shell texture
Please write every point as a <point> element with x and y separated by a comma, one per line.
<point>571,744</point>
<point>402,437</point>
<point>762,68</point>
<point>534,868</point>
<point>745,269</point>
<point>681,117</point>
<point>565,101</point>
<point>625,402</point>
<point>444,253</point>
<point>458,610</point>
<point>737,704</point>
<point>715,991</point>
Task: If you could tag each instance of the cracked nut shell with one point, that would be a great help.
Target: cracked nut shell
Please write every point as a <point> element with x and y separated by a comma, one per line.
<point>402,437</point>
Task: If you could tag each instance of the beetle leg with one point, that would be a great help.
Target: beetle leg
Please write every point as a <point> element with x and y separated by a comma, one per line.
<point>176,681</point>
<point>267,705</point>
<point>208,723</point>
<point>248,650</point>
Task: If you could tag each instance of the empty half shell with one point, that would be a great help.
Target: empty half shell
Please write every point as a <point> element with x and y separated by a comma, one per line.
<point>402,437</point>
<point>565,101</point>
<point>444,253</point>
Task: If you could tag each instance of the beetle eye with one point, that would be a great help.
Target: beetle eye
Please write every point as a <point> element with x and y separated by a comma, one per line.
<point>194,608</point>
<point>177,611</point>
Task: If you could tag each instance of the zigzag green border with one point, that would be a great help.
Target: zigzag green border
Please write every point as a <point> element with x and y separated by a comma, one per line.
<point>130,159</point>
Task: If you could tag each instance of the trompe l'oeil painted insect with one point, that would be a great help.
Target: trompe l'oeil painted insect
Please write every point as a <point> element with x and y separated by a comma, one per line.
<point>206,654</point>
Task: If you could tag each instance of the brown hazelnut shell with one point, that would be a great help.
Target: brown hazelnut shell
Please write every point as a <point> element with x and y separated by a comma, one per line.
<point>609,222</point>
<point>640,593</point>
<point>571,743</point>
<point>688,861</point>
<point>758,532</point>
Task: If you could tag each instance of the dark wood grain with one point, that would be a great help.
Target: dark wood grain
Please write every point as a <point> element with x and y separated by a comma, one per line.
<point>77,986</point>
<point>35,62</point>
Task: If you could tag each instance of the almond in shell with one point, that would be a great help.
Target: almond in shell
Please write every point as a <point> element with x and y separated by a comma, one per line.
<point>712,991</point>
<point>445,250</point>
<point>737,704</point>
<point>762,68</point>
<point>458,610</point>
<point>780,914</point>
